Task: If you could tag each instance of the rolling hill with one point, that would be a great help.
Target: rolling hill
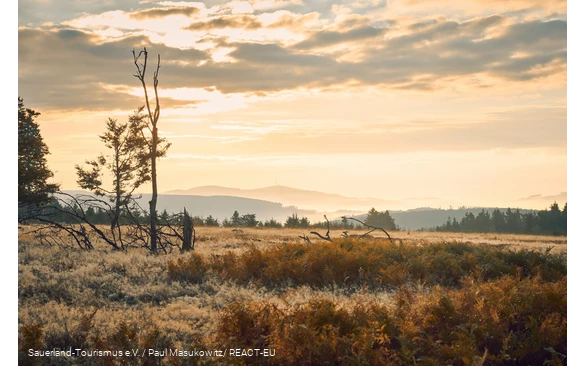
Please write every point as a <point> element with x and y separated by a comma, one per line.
<point>301,198</point>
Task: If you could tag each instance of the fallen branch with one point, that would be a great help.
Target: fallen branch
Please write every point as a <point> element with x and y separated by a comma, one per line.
<point>373,228</point>
<point>72,208</point>
<point>326,237</point>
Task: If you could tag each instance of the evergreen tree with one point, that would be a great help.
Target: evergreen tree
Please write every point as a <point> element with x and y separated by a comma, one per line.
<point>127,164</point>
<point>468,222</point>
<point>529,223</point>
<point>210,221</point>
<point>513,221</point>
<point>235,221</point>
<point>483,222</point>
<point>33,172</point>
<point>249,220</point>
<point>292,221</point>
<point>272,223</point>
<point>564,218</point>
<point>456,227</point>
<point>381,219</point>
<point>499,222</point>
<point>554,220</point>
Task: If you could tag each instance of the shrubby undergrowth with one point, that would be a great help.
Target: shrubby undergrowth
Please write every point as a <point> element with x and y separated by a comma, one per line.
<point>372,263</point>
<point>348,302</point>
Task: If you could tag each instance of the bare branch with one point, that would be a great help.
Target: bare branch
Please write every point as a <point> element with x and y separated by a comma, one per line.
<point>326,237</point>
<point>80,217</point>
<point>374,228</point>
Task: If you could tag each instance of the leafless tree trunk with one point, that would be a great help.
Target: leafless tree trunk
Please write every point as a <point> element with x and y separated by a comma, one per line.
<point>153,119</point>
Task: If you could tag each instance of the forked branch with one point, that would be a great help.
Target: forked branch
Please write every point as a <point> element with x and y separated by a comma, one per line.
<point>373,228</point>
<point>326,237</point>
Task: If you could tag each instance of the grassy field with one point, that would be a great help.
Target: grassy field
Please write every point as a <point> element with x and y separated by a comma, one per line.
<point>264,296</point>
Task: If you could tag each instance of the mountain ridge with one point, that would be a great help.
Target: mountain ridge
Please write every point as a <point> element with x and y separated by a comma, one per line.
<point>285,195</point>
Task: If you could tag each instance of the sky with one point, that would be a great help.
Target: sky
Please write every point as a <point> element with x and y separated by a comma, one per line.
<point>434,102</point>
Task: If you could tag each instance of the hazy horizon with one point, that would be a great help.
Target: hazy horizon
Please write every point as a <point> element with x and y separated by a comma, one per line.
<point>465,101</point>
<point>326,202</point>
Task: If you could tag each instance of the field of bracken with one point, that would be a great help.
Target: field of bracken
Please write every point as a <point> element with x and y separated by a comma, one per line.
<point>265,296</point>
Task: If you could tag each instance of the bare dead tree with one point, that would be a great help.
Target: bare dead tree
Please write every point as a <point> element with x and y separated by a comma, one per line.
<point>173,231</point>
<point>137,234</point>
<point>176,231</point>
<point>373,228</point>
<point>74,210</point>
<point>157,146</point>
<point>326,237</point>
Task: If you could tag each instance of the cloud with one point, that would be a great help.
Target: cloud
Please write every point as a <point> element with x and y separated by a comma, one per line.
<point>559,198</point>
<point>481,7</point>
<point>260,5</point>
<point>240,22</point>
<point>32,12</point>
<point>163,12</point>
<point>282,19</point>
<point>67,68</point>
<point>62,64</point>
<point>450,48</point>
<point>530,127</point>
<point>328,38</point>
<point>488,2</point>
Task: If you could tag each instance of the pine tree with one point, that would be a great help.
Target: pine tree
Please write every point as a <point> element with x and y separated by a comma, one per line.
<point>127,164</point>
<point>33,172</point>
<point>381,219</point>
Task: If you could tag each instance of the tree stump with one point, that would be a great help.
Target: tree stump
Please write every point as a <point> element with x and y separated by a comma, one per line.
<point>187,231</point>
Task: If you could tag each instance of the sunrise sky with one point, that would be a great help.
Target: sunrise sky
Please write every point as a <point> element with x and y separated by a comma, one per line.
<point>430,102</point>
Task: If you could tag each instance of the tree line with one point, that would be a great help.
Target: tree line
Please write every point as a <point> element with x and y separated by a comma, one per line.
<point>66,214</point>
<point>551,221</point>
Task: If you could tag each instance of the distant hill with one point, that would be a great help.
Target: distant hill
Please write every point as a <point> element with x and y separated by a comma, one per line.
<point>220,207</point>
<point>292,196</point>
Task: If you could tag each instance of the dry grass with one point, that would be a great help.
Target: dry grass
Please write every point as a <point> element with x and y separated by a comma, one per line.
<point>116,300</point>
<point>217,240</point>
